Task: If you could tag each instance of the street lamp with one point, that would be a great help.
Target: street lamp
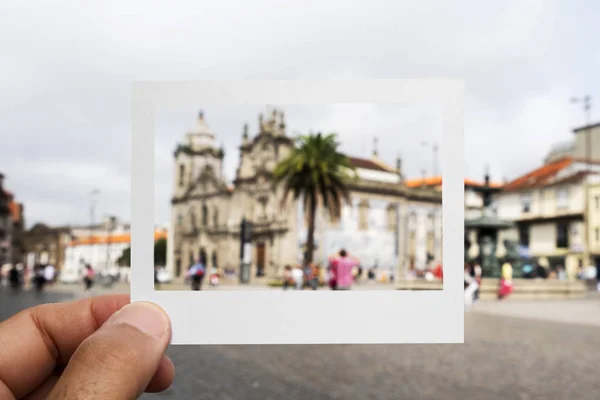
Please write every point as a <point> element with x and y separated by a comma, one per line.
<point>587,106</point>
<point>434,148</point>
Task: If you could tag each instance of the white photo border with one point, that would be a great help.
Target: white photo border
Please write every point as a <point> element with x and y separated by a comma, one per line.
<point>303,317</point>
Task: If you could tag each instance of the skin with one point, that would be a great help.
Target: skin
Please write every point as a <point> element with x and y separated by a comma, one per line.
<point>97,348</point>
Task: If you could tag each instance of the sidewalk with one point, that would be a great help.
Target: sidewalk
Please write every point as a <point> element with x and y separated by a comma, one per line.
<point>584,311</point>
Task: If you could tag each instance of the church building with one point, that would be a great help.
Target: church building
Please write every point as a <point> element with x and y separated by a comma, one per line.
<point>388,225</point>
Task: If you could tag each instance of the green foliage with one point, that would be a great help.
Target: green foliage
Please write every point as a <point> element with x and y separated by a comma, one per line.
<point>160,254</point>
<point>125,259</point>
<point>319,173</point>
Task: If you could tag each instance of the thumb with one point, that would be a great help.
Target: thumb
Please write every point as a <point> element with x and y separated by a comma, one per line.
<point>119,359</point>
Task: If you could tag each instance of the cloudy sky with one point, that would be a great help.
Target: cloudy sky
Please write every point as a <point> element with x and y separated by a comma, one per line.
<point>66,71</point>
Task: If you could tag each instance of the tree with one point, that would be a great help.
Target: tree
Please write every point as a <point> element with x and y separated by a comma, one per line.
<point>125,259</point>
<point>318,173</point>
<point>160,254</point>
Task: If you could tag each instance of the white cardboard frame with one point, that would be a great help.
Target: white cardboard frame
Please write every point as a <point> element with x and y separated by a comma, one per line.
<point>303,317</point>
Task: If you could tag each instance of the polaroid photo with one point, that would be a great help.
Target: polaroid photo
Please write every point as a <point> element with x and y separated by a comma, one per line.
<point>300,212</point>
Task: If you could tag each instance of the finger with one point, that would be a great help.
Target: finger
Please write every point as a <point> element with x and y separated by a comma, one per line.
<point>35,340</point>
<point>163,377</point>
<point>119,359</point>
<point>42,391</point>
<point>161,381</point>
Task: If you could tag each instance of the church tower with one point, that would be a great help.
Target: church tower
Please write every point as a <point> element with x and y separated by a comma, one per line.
<point>198,152</point>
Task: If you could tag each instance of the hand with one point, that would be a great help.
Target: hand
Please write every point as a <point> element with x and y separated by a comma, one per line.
<point>111,350</point>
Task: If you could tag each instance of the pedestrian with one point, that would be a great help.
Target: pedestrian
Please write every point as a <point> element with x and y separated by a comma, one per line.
<point>88,278</point>
<point>598,276</point>
<point>298,276</point>
<point>214,276</point>
<point>478,275</point>
<point>38,277</point>
<point>506,284</point>
<point>288,280</point>
<point>14,277</point>
<point>342,267</point>
<point>314,278</point>
<point>49,273</point>
<point>196,274</point>
<point>561,273</point>
<point>470,288</point>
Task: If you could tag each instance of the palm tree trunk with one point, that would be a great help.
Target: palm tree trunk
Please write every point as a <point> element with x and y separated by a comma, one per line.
<point>310,236</point>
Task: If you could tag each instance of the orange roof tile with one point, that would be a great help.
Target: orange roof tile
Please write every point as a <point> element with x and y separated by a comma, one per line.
<point>540,176</point>
<point>113,239</point>
<point>437,181</point>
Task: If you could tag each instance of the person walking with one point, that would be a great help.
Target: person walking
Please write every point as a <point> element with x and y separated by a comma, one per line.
<point>478,273</point>
<point>196,274</point>
<point>470,287</point>
<point>49,273</point>
<point>288,280</point>
<point>506,284</point>
<point>342,269</point>
<point>315,272</point>
<point>88,278</point>
<point>14,278</point>
<point>298,276</point>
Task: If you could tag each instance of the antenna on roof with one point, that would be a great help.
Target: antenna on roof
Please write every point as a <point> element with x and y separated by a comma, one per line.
<point>375,146</point>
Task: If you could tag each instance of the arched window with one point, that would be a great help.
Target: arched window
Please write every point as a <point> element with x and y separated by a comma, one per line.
<point>202,256</point>
<point>216,217</point>
<point>204,215</point>
<point>181,174</point>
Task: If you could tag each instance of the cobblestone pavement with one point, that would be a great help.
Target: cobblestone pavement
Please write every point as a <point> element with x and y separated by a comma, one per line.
<point>503,358</point>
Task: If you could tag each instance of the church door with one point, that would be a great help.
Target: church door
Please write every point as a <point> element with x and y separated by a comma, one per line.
<point>260,259</point>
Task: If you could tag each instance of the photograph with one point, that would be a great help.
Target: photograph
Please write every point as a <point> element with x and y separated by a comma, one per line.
<point>299,197</point>
<point>315,200</point>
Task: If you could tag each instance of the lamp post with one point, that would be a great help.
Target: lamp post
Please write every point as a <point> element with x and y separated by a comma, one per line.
<point>587,106</point>
<point>434,148</point>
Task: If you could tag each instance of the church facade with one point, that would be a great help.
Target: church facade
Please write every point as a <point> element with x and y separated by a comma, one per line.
<point>387,225</point>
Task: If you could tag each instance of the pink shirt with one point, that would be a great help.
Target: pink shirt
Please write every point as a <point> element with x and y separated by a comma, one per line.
<point>343,271</point>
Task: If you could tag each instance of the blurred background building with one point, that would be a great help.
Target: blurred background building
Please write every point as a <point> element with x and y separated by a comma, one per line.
<point>387,225</point>
<point>12,224</point>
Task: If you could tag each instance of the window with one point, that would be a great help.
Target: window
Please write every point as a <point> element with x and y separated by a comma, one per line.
<point>363,215</point>
<point>179,220</point>
<point>181,174</point>
<point>597,234</point>
<point>526,202</point>
<point>562,198</point>
<point>216,217</point>
<point>562,235</point>
<point>204,215</point>
<point>193,219</point>
<point>524,235</point>
<point>597,202</point>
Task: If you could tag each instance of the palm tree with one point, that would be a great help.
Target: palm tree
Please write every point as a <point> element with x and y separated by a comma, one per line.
<point>319,174</point>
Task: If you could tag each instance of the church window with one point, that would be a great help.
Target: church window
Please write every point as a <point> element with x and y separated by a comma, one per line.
<point>181,174</point>
<point>204,215</point>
